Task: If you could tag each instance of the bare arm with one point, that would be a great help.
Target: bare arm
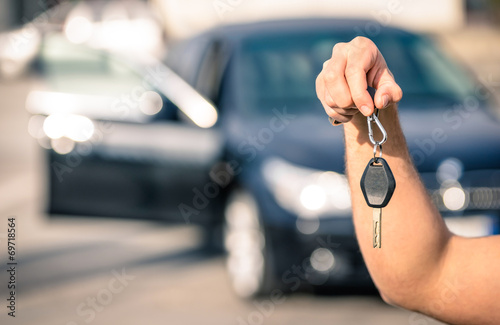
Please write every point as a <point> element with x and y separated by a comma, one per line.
<point>421,266</point>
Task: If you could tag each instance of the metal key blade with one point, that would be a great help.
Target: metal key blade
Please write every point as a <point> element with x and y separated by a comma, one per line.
<point>377,228</point>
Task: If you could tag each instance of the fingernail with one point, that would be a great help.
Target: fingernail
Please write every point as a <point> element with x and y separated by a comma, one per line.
<point>385,101</point>
<point>365,110</point>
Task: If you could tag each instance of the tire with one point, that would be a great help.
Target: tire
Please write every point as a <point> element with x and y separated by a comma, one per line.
<point>249,259</point>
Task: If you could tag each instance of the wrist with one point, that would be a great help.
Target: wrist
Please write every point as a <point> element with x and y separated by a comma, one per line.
<point>357,129</point>
<point>357,141</point>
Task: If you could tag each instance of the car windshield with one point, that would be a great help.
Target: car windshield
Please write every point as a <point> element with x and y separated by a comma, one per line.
<point>280,70</point>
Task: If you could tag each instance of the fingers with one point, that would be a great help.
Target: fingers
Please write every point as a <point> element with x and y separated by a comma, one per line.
<point>388,91</point>
<point>343,82</point>
<point>338,117</point>
<point>380,78</point>
<point>388,94</point>
<point>362,57</point>
<point>356,79</point>
<point>330,102</point>
<point>340,114</point>
<point>332,87</point>
<point>334,77</point>
<point>347,111</point>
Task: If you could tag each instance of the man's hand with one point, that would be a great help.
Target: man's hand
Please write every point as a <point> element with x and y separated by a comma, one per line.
<point>342,85</point>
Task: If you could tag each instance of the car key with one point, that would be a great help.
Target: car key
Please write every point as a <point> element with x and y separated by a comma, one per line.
<point>378,182</point>
<point>378,185</point>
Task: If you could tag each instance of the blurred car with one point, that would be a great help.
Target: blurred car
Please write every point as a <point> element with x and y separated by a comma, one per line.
<point>256,153</point>
<point>116,144</point>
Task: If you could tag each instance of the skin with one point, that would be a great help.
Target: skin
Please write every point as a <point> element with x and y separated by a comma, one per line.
<point>421,266</point>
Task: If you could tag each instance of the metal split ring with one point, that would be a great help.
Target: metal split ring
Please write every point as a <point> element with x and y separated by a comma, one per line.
<point>377,145</point>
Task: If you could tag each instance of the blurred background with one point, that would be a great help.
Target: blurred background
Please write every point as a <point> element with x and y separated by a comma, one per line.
<point>167,161</point>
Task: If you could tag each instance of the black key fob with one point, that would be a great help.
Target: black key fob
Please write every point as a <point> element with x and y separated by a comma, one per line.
<point>377,183</point>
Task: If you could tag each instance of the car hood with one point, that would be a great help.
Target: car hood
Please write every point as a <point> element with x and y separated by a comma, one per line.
<point>432,135</point>
<point>307,140</point>
<point>471,136</point>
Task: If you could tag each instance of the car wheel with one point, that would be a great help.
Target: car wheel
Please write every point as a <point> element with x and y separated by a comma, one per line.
<point>248,257</point>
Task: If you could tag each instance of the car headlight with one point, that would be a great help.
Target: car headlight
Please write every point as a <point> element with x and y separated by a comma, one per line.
<point>61,131</point>
<point>75,127</point>
<point>307,192</point>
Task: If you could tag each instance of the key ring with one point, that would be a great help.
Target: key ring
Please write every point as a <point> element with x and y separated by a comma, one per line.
<point>370,120</point>
<point>375,158</point>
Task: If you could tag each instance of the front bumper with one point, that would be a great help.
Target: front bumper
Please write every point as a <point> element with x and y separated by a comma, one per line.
<point>325,258</point>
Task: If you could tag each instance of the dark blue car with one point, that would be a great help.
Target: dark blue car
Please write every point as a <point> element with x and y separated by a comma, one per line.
<point>270,171</point>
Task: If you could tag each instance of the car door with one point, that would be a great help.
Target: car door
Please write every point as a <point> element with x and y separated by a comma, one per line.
<point>145,153</point>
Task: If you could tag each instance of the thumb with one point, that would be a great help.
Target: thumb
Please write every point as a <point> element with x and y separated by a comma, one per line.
<point>388,92</point>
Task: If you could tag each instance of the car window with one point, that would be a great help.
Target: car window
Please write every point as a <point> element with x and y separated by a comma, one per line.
<point>75,68</point>
<point>184,58</point>
<point>422,71</point>
<point>84,72</point>
<point>209,75</point>
<point>280,70</point>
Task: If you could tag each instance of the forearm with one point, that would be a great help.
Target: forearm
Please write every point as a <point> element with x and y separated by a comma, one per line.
<point>420,266</point>
<point>414,236</point>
